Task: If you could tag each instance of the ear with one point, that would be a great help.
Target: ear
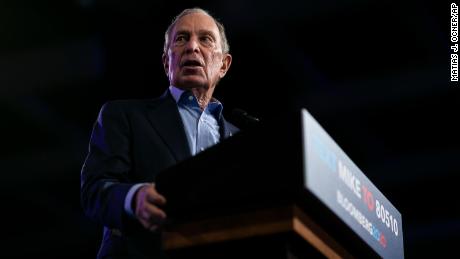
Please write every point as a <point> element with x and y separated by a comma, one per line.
<point>165,63</point>
<point>226,62</point>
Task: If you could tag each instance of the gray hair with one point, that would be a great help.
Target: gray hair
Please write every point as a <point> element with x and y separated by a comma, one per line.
<point>224,43</point>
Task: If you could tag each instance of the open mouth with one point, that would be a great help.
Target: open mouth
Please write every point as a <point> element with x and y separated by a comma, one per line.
<point>191,63</point>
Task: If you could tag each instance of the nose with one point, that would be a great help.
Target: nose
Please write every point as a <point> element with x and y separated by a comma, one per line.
<point>192,45</point>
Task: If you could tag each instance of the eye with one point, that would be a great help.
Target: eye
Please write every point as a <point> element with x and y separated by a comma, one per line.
<point>207,39</point>
<point>180,38</point>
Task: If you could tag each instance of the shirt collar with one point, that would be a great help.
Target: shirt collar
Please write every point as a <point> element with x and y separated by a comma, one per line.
<point>176,92</point>
<point>214,107</point>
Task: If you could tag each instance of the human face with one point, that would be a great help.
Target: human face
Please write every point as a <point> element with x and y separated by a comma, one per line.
<point>194,58</point>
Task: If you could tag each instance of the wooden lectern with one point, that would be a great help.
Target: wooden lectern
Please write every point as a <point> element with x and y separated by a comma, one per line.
<point>246,198</point>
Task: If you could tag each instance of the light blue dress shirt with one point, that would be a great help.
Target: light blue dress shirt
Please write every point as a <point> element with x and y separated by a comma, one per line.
<point>201,128</point>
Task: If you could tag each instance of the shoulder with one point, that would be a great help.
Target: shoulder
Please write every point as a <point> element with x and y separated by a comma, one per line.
<point>134,104</point>
<point>120,110</point>
<point>132,107</point>
<point>129,105</point>
<point>124,104</point>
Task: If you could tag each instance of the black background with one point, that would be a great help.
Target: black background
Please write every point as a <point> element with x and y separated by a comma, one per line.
<point>375,74</point>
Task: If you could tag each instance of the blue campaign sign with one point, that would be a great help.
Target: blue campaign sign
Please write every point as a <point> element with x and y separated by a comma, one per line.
<point>341,185</point>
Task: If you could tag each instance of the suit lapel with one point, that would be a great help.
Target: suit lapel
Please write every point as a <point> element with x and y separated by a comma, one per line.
<point>165,119</point>
<point>226,129</point>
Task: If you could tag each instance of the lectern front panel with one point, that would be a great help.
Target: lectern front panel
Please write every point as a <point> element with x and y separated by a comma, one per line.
<point>336,181</point>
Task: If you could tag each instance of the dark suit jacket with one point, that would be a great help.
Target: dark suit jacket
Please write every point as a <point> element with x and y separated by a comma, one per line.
<point>132,141</point>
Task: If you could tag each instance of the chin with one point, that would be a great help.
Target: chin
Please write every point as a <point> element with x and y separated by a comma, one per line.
<point>189,84</point>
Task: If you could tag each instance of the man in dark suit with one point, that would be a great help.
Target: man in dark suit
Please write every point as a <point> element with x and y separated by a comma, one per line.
<point>132,141</point>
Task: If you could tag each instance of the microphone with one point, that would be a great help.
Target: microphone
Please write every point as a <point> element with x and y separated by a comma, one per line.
<point>243,120</point>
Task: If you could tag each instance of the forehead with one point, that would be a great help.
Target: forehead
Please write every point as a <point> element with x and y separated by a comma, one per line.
<point>196,22</point>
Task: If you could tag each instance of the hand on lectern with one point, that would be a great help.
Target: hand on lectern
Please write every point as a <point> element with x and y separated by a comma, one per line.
<point>146,207</point>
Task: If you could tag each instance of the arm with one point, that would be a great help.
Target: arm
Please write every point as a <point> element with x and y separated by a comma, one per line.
<point>105,174</point>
